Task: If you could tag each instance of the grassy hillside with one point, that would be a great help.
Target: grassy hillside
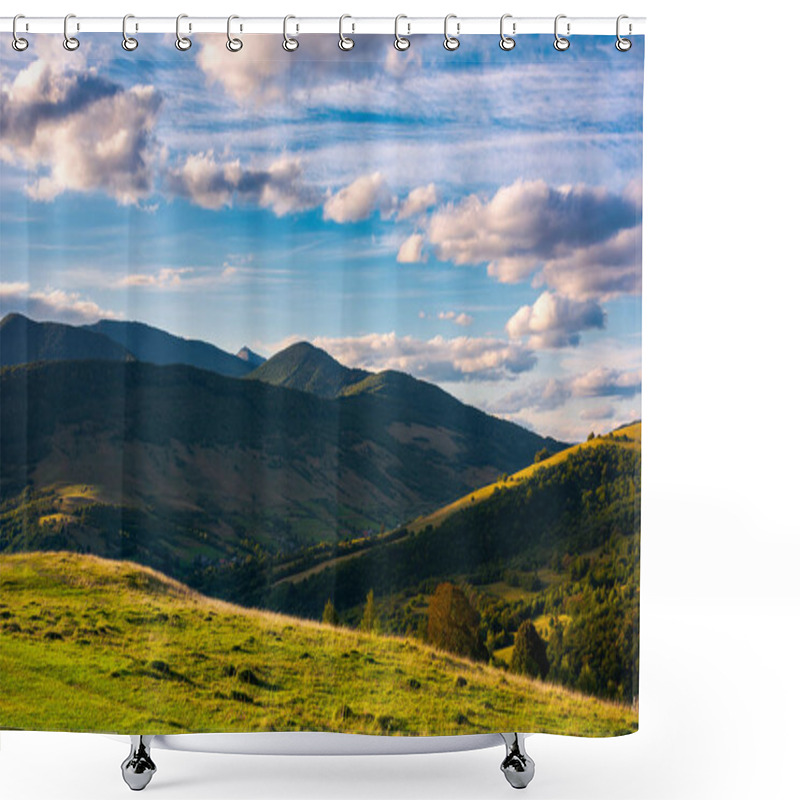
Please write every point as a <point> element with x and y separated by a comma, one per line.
<point>629,436</point>
<point>88,644</point>
<point>572,501</point>
<point>558,545</point>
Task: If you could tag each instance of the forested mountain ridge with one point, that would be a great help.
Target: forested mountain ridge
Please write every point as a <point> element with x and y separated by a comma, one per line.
<point>308,368</point>
<point>23,340</point>
<point>156,346</point>
<point>169,464</point>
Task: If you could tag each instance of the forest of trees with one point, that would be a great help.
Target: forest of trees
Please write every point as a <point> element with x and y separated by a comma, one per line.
<point>585,535</point>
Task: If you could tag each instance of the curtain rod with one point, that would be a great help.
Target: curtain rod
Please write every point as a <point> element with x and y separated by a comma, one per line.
<point>408,26</point>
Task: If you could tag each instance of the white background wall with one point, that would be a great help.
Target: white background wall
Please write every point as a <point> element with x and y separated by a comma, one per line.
<point>720,702</point>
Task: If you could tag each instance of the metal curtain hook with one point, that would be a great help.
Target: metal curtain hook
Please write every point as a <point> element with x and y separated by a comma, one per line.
<point>181,42</point>
<point>507,42</point>
<point>561,43</point>
<point>70,42</point>
<point>622,44</point>
<point>233,44</point>
<point>128,42</point>
<point>401,42</point>
<point>345,43</point>
<point>289,44</point>
<point>451,42</point>
<point>18,43</point>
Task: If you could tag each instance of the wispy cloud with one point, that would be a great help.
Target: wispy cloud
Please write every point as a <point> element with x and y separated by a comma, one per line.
<point>263,73</point>
<point>51,304</point>
<point>459,318</point>
<point>553,393</point>
<point>437,359</point>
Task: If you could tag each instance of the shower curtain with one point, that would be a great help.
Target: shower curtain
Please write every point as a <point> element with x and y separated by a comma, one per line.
<point>320,389</point>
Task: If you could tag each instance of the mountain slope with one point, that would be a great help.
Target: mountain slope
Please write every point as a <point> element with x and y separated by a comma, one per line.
<point>309,369</point>
<point>159,347</point>
<point>169,465</point>
<point>570,503</point>
<point>249,357</point>
<point>90,644</point>
<point>23,340</point>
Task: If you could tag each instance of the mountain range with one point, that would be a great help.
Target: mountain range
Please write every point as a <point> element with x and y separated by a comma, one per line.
<point>109,450</point>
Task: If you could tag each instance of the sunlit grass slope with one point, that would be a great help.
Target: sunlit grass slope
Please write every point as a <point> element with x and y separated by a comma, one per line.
<point>628,436</point>
<point>88,644</point>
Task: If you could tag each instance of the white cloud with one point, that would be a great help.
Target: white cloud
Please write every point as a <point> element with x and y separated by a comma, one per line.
<point>179,278</point>
<point>463,319</point>
<point>605,382</point>
<point>602,271</point>
<point>555,321</point>
<point>553,393</point>
<point>252,74</point>
<point>597,413</point>
<point>418,201</point>
<point>360,200</point>
<point>529,223</point>
<point>166,277</point>
<point>78,131</point>
<point>410,251</point>
<point>212,184</point>
<point>51,304</point>
<point>263,73</point>
<point>437,359</point>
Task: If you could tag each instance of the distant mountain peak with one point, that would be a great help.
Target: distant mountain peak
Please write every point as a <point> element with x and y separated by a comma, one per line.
<point>25,340</point>
<point>305,347</point>
<point>308,368</point>
<point>11,316</point>
<point>250,357</point>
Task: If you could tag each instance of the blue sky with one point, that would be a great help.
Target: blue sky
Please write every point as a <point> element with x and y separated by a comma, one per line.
<point>473,218</point>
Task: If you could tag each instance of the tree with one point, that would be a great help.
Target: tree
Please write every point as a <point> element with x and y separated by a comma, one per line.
<point>453,623</point>
<point>590,436</point>
<point>542,455</point>
<point>329,615</point>
<point>369,622</point>
<point>529,656</point>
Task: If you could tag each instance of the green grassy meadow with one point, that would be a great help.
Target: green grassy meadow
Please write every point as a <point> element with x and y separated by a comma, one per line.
<point>88,644</point>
